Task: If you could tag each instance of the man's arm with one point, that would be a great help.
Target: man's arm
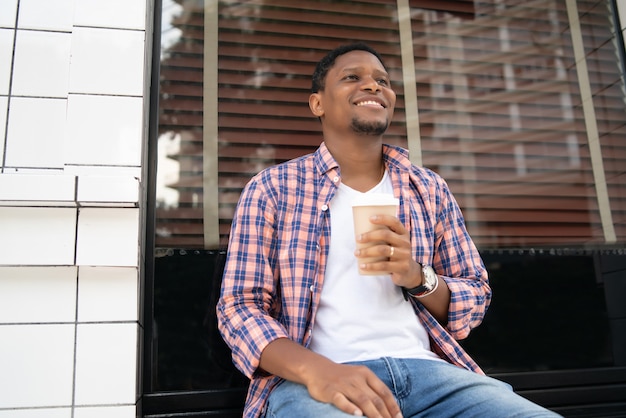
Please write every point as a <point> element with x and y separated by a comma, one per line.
<point>355,390</point>
<point>248,289</point>
<point>463,293</point>
<point>460,265</point>
<point>405,271</point>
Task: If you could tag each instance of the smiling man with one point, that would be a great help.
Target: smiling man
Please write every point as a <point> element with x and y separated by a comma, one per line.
<point>318,339</point>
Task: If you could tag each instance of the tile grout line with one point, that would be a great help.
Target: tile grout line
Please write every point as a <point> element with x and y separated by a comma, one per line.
<point>73,402</point>
<point>6,122</point>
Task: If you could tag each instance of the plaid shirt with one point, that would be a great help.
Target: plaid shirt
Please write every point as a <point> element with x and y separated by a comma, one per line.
<point>279,246</point>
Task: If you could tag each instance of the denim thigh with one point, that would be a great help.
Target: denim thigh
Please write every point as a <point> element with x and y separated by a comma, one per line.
<point>423,389</point>
<point>290,400</point>
<point>429,388</point>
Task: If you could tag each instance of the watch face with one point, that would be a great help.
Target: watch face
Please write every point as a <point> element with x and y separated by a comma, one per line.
<point>430,277</point>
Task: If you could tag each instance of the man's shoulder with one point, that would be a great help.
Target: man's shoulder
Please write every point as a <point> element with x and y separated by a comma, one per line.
<point>426,174</point>
<point>298,164</point>
<point>399,156</point>
<point>287,171</point>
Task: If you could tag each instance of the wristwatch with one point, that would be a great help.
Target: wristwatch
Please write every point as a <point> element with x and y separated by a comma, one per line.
<point>429,283</point>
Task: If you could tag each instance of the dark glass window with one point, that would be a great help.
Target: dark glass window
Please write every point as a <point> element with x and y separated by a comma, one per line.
<point>499,110</point>
<point>548,313</point>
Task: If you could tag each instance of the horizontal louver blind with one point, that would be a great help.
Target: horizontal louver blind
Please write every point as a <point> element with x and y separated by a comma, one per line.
<point>498,98</point>
<point>502,120</point>
<point>267,52</point>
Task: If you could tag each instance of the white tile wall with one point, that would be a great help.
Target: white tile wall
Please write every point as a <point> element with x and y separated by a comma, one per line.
<point>103,190</point>
<point>6,51</point>
<point>36,124</point>
<point>4,103</point>
<point>107,61</point>
<point>102,171</point>
<point>37,236</point>
<point>105,412</point>
<point>37,413</point>
<point>8,10</point>
<point>37,294</point>
<point>69,276</point>
<point>107,294</point>
<point>37,365</point>
<point>108,237</point>
<point>42,64</point>
<point>106,364</point>
<point>107,14</point>
<point>57,189</point>
<point>46,14</point>
<point>103,130</point>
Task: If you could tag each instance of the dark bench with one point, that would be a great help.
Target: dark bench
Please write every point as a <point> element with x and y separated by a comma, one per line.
<point>593,393</point>
<point>225,403</point>
<point>574,392</point>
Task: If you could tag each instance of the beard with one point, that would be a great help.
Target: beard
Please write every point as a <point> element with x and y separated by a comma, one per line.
<point>368,128</point>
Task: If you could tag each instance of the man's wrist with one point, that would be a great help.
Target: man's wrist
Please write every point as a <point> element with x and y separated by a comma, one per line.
<point>429,283</point>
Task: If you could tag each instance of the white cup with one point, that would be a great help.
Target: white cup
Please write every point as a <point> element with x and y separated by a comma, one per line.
<point>364,207</point>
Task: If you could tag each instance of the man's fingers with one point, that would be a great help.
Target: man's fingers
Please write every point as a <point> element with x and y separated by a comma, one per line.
<point>355,390</point>
<point>375,400</point>
<point>386,397</point>
<point>343,403</point>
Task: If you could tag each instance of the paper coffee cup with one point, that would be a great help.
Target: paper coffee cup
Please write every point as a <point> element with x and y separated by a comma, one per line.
<point>364,207</point>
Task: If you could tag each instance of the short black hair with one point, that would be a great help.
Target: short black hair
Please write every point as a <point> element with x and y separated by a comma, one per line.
<point>326,63</point>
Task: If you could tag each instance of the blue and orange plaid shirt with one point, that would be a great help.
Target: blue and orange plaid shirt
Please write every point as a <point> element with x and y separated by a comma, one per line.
<point>279,245</point>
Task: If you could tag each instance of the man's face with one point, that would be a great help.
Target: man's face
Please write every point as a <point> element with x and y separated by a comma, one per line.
<point>357,95</point>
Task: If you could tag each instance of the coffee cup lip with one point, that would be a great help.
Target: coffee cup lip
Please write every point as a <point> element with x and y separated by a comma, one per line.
<point>375,199</point>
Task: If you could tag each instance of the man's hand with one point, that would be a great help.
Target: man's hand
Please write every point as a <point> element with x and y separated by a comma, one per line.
<point>394,242</point>
<point>355,390</point>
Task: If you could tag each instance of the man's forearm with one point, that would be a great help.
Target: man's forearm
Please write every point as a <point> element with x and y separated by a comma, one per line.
<point>289,360</point>
<point>438,302</point>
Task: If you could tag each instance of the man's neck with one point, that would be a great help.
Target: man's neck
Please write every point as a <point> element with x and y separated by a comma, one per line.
<point>360,160</point>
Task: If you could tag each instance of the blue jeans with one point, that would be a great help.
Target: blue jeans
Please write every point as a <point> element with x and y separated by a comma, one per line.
<point>423,388</point>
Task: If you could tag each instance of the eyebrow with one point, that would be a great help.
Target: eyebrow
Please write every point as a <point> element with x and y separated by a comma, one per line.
<point>358,69</point>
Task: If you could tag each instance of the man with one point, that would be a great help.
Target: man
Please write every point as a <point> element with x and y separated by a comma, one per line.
<point>317,338</point>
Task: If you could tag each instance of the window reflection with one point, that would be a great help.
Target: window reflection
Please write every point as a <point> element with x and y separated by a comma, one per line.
<point>498,96</point>
<point>501,119</point>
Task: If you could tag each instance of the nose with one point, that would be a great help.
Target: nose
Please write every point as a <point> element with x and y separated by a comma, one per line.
<point>370,84</point>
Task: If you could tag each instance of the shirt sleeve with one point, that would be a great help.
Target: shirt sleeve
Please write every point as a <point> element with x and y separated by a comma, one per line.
<point>248,301</point>
<point>458,262</point>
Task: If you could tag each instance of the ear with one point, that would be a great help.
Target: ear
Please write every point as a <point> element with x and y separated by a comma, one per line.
<point>315,104</point>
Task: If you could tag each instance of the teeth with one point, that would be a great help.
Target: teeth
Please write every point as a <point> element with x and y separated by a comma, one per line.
<point>369,103</point>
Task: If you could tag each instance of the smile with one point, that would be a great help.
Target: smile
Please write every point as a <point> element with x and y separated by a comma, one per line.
<point>370,103</point>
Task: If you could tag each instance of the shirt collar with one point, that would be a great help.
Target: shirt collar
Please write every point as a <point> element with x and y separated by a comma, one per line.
<point>393,155</point>
<point>397,157</point>
<point>324,161</point>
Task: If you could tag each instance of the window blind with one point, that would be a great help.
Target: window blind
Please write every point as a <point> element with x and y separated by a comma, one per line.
<point>500,110</point>
<point>502,119</point>
<point>267,53</point>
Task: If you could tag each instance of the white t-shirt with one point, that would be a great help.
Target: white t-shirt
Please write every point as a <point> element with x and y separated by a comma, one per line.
<point>362,317</point>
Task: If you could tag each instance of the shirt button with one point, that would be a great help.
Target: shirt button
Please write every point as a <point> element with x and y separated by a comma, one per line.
<point>311,288</point>
<point>336,179</point>
<point>324,207</point>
